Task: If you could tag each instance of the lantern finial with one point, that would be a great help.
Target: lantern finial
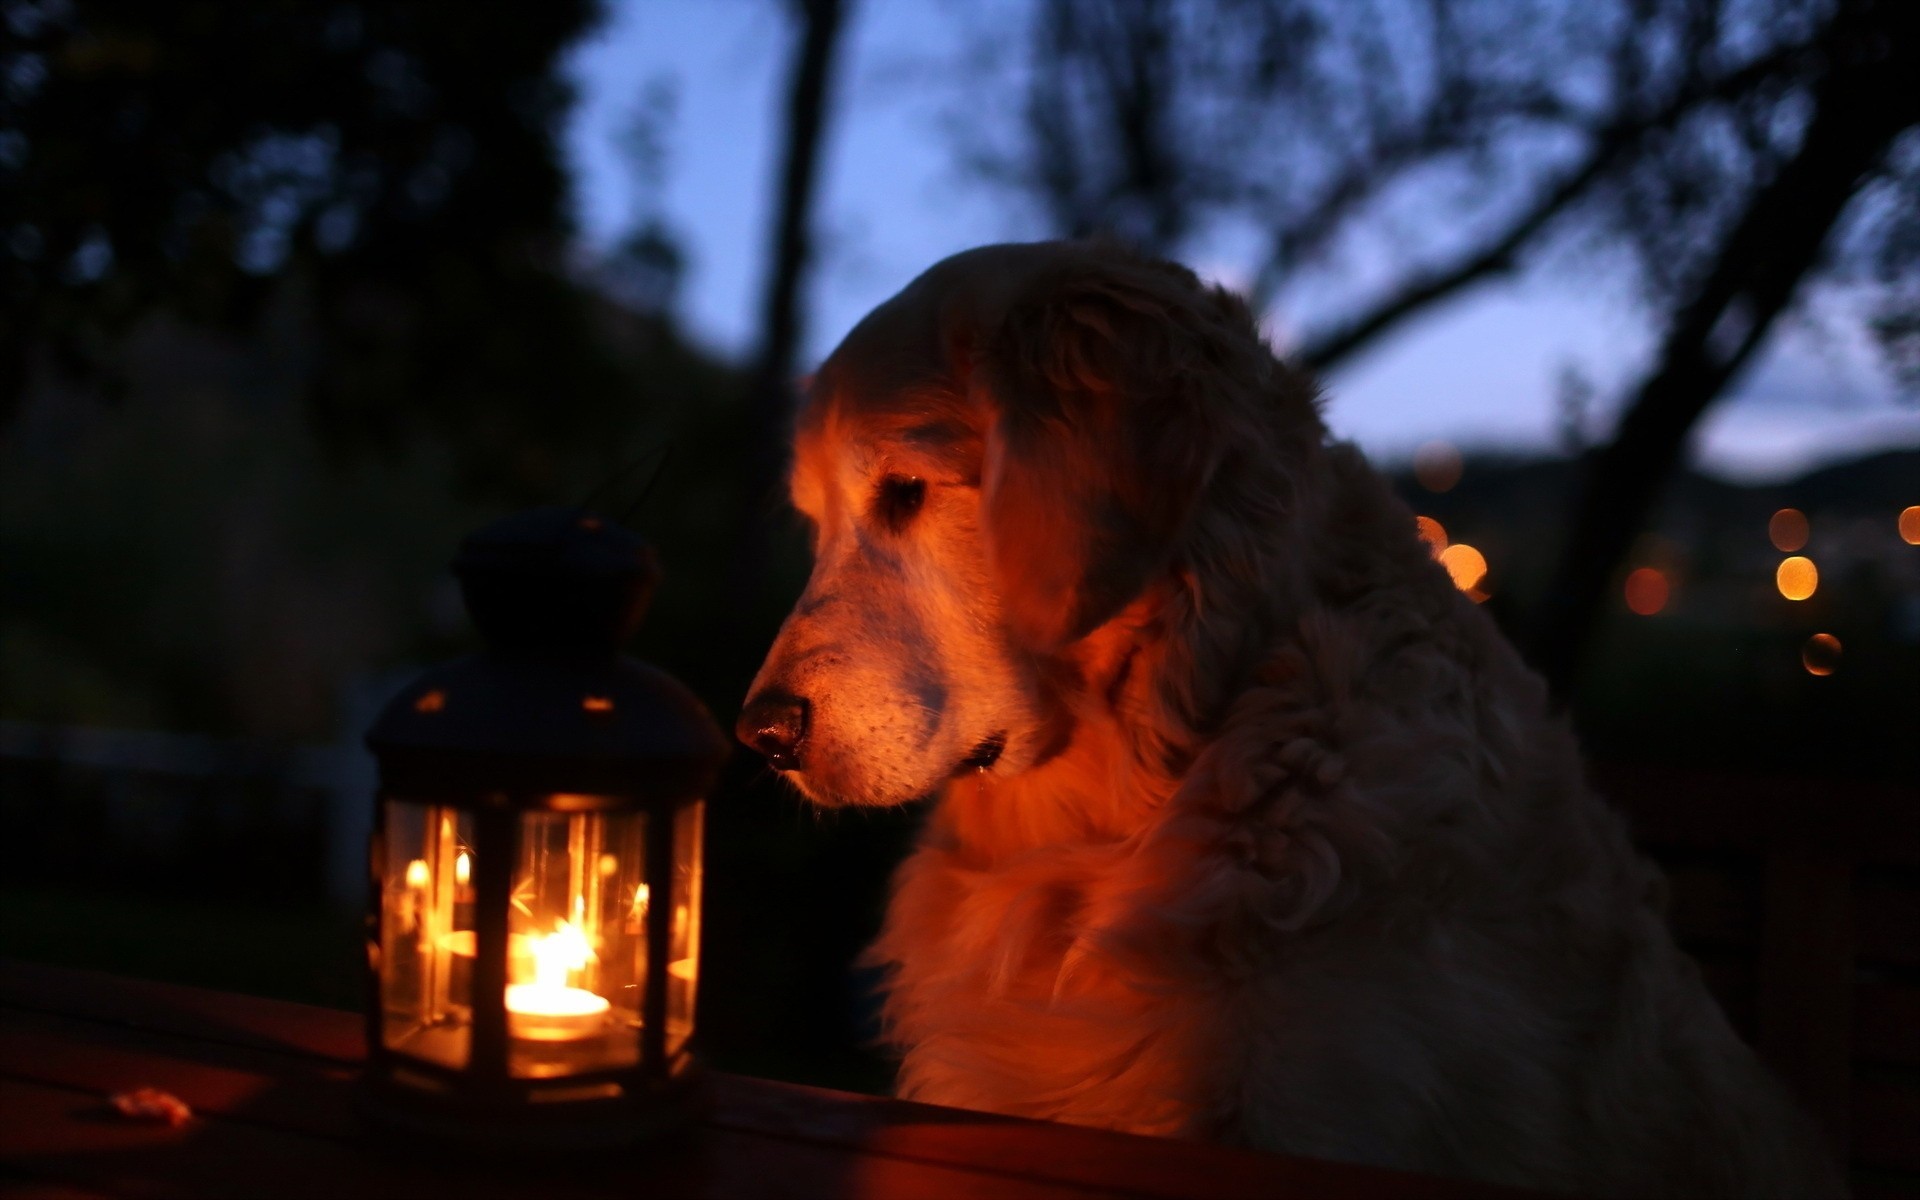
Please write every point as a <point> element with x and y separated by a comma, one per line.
<point>557,578</point>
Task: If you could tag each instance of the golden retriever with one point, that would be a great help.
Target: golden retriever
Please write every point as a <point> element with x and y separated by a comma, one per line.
<point>1248,825</point>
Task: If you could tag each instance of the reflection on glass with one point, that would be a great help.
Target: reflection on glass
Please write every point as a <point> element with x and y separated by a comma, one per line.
<point>576,946</point>
<point>683,966</point>
<point>426,934</point>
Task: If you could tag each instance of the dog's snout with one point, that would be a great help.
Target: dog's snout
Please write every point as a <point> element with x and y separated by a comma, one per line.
<point>775,724</point>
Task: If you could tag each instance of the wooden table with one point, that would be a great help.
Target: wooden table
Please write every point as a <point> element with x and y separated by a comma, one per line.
<point>270,1084</point>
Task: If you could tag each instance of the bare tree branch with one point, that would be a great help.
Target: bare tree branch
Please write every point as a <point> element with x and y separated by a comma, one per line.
<point>1609,148</point>
<point>1864,102</point>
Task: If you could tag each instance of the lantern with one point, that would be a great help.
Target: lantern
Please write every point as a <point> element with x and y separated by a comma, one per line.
<point>534,931</point>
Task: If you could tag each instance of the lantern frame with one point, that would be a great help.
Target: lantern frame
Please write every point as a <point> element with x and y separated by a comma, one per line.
<point>549,722</point>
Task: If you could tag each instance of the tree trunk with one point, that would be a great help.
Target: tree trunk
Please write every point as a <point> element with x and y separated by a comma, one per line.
<point>1866,99</point>
<point>770,395</point>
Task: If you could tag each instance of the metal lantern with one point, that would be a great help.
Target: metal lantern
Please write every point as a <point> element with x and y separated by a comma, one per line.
<point>534,931</point>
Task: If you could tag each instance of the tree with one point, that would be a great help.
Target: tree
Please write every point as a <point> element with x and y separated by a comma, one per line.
<point>790,259</point>
<point>1732,153</point>
<point>393,166</point>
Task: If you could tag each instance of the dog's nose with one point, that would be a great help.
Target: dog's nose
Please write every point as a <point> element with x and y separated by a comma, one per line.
<point>775,724</point>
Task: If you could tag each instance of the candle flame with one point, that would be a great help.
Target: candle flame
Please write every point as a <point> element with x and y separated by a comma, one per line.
<point>640,897</point>
<point>462,868</point>
<point>417,875</point>
<point>557,954</point>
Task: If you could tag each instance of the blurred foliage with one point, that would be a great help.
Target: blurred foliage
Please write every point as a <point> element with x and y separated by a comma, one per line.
<point>395,160</point>
<point>285,308</point>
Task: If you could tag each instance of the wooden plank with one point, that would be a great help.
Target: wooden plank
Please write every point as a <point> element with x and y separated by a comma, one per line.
<point>71,1137</point>
<point>68,1137</point>
<point>1112,1162</point>
<point>279,1025</point>
<point>15,1187</point>
<point>258,1088</point>
<point>296,1095</point>
<point>281,1064</point>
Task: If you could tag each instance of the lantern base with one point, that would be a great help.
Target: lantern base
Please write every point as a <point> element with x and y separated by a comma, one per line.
<point>547,1121</point>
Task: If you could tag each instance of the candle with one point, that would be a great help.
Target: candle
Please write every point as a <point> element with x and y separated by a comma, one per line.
<point>548,1009</point>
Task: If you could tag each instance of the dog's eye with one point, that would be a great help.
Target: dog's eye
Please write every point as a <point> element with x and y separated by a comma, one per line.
<point>898,498</point>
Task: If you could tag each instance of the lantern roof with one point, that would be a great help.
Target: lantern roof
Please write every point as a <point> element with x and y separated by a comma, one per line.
<point>550,706</point>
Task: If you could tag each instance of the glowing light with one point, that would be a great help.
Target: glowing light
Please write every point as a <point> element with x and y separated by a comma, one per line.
<point>1788,528</point>
<point>417,876</point>
<point>1433,533</point>
<point>640,897</point>
<point>609,865</point>
<point>462,868</point>
<point>597,704</point>
<point>548,1009</point>
<point>430,702</point>
<point>1466,565</point>
<point>1910,525</point>
<point>1437,466</point>
<point>1797,578</point>
<point>563,950</point>
<point>1647,591</point>
<point>1821,654</point>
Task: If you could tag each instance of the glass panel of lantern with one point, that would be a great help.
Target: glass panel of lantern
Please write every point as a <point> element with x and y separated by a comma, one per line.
<point>534,936</point>
<point>426,934</point>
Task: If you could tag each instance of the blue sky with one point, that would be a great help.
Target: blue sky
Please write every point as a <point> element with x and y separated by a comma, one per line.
<point>1482,371</point>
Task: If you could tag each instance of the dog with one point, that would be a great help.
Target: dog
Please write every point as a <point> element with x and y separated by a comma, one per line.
<point>1247,825</point>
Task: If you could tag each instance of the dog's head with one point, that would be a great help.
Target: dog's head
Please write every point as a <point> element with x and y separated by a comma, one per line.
<point>998,464</point>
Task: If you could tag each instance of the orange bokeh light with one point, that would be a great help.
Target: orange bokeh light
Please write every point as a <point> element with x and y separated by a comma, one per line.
<point>1467,566</point>
<point>1437,466</point>
<point>1789,530</point>
<point>1433,533</point>
<point>1821,654</point>
<point>1647,591</point>
<point>1797,578</point>
<point>597,704</point>
<point>430,702</point>
<point>1910,525</point>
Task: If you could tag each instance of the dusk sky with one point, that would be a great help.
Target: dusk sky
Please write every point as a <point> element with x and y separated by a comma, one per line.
<point>1481,372</point>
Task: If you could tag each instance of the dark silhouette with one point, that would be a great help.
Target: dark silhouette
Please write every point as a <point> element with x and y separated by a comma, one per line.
<point>387,173</point>
<point>790,259</point>
<point>1731,154</point>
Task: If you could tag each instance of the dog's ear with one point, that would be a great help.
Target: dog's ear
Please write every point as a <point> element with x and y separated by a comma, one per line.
<point>1101,442</point>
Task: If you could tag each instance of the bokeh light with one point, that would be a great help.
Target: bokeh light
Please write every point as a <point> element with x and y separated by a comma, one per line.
<point>1788,528</point>
<point>1910,525</point>
<point>1647,591</point>
<point>1433,533</point>
<point>1821,654</point>
<point>1437,466</point>
<point>1797,578</point>
<point>1467,566</point>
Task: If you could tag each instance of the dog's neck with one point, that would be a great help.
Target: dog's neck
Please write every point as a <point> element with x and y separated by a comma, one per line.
<point>1103,785</point>
<point>1152,683</point>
